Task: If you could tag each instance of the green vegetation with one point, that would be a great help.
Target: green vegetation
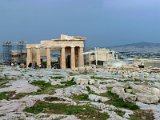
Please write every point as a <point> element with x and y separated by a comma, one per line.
<point>73,73</point>
<point>57,77</point>
<point>82,97</point>
<point>142,115</point>
<point>98,78</point>
<point>118,102</point>
<point>41,84</point>
<point>119,112</point>
<point>20,95</point>
<point>90,91</point>
<point>45,87</point>
<point>69,83</point>
<point>6,95</point>
<point>53,99</point>
<point>125,80</point>
<point>82,112</point>
<point>4,80</point>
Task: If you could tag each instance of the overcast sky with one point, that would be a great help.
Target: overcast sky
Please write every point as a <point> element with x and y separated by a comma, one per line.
<point>103,22</point>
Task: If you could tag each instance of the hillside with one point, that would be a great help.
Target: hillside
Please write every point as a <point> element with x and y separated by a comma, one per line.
<point>140,45</point>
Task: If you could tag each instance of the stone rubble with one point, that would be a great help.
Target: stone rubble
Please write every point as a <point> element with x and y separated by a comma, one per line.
<point>140,86</point>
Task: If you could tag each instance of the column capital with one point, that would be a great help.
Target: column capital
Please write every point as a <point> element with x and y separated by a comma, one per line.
<point>28,47</point>
<point>37,47</point>
<point>72,46</point>
<point>63,46</point>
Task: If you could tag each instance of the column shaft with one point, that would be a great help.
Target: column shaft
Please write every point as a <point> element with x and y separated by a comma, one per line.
<point>63,58</point>
<point>72,57</point>
<point>48,54</point>
<point>81,57</point>
<point>38,56</point>
<point>29,56</point>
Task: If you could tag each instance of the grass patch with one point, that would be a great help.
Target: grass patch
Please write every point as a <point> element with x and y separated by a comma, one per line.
<point>120,113</point>
<point>118,102</point>
<point>41,84</point>
<point>98,78</point>
<point>4,80</point>
<point>6,95</point>
<point>82,97</point>
<point>45,87</point>
<point>57,77</point>
<point>20,95</point>
<point>50,99</point>
<point>69,83</point>
<point>125,80</point>
<point>90,91</point>
<point>82,112</point>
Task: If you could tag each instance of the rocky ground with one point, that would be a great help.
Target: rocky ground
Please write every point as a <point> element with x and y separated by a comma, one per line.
<point>86,93</point>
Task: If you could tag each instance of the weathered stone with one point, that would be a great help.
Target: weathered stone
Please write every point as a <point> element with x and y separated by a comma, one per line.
<point>130,97</point>
<point>97,98</point>
<point>82,79</point>
<point>145,98</point>
<point>119,91</point>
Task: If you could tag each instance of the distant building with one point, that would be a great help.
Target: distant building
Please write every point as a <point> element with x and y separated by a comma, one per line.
<point>99,56</point>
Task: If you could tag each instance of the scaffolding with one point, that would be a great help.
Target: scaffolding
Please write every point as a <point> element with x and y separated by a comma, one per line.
<point>14,52</point>
<point>20,46</point>
<point>7,48</point>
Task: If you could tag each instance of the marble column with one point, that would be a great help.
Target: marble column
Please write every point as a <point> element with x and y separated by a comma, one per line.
<point>63,58</point>
<point>89,59</point>
<point>29,56</point>
<point>38,55</point>
<point>48,55</point>
<point>81,57</point>
<point>72,57</point>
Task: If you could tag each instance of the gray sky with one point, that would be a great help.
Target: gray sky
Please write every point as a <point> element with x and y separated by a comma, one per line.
<point>103,22</point>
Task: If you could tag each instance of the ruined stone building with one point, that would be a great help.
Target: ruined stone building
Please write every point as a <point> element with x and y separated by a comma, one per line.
<point>100,56</point>
<point>70,48</point>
